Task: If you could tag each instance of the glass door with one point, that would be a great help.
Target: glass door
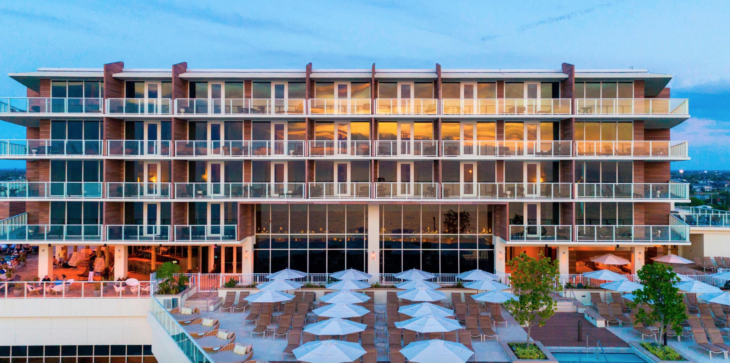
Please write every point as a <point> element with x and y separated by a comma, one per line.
<point>405,179</point>
<point>532,137</point>
<point>342,178</point>
<point>405,98</point>
<point>278,138</point>
<point>468,179</point>
<point>151,219</point>
<point>532,179</point>
<point>532,93</point>
<point>152,137</point>
<point>278,97</point>
<point>215,219</point>
<point>279,179</point>
<point>468,137</point>
<point>215,137</point>
<point>215,176</point>
<point>532,220</point>
<point>405,138</point>
<point>342,98</point>
<point>342,138</point>
<point>468,98</point>
<point>152,173</point>
<point>152,92</point>
<point>216,96</point>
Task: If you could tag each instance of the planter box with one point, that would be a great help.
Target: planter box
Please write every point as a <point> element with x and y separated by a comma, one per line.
<point>648,355</point>
<point>513,357</point>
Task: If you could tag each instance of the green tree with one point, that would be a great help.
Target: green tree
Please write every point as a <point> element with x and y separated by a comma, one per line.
<point>168,284</point>
<point>663,296</point>
<point>533,281</point>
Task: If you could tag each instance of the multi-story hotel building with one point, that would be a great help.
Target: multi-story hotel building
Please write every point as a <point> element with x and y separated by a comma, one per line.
<point>381,170</point>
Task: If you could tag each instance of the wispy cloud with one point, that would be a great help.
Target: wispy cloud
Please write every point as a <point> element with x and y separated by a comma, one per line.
<point>702,132</point>
<point>54,21</point>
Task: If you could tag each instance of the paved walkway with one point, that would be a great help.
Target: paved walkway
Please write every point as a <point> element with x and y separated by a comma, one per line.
<point>561,330</point>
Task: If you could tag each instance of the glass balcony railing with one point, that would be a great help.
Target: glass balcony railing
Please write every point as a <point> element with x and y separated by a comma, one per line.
<point>644,149</point>
<point>339,148</point>
<point>31,105</point>
<point>33,148</point>
<point>184,341</point>
<point>131,190</point>
<point>540,233</point>
<point>138,148</point>
<point>137,233</point>
<point>52,232</point>
<point>646,234</point>
<point>138,106</point>
<point>651,191</point>
<point>406,190</point>
<point>291,148</point>
<point>706,220</point>
<point>406,106</point>
<point>632,106</point>
<point>204,233</point>
<point>229,148</point>
<point>254,106</point>
<point>50,190</point>
<point>506,191</point>
<point>548,149</point>
<point>501,106</point>
<point>410,148</point>
<point>238,190</point>
<point>346,106</point>
<point>323,190</point>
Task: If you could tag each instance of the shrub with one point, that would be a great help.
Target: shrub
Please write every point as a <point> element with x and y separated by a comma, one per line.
<point>662,352</point>
<point>459,285</point>
<point>527,351</point>
<point>230,283</point>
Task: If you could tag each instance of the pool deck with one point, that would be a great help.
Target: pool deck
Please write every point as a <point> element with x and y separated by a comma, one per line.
<point>561,330</point>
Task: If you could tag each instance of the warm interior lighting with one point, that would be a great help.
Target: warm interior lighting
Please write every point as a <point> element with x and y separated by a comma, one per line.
<point>245,255</point>
<point>372,255</point>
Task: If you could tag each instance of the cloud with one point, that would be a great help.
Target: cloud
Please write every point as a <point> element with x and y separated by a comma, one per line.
<point>60,23</point>
<point>702,132</point>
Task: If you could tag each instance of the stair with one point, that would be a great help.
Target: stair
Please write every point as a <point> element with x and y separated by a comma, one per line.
<point>566,306</point>
<point>205,301</point>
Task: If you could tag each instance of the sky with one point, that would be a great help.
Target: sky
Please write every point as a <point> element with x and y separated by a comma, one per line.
<point>687,39</point>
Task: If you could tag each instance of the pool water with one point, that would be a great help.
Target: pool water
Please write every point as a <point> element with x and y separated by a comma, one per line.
<point>600,358</point>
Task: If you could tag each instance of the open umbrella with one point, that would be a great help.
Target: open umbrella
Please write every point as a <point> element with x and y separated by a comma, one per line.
<point>477,275</point>
<point>697,287</point>
<point>341,311</point>
<point>604,275</point>
<point>414,274</point>
<point>721,275</point>
<point>686,278</point>
<point>487,285</point>
<point>622,286</point>
<point>268,296</point>
<point>329,351</point>
<point>348,285</point>
<point>629,297</point>
<point>436,351</point>
<point>426,308</point>
<point>722,299</point>
<point>335,326</point>
<point>421,294</point>
<point>672,259</point>
<point>429,324</point>
<point>279,285</point>
<point>496,296</point>
<point>286,274</point>
<point>345,297</point>
<point>610,259</point>
<point>351,274</point>
<point>710,296</point>
<point>415,284</point>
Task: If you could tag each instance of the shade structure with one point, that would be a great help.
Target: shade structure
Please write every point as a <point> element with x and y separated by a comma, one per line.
<point>424,309</point>
<point>710,296</point>
<point>604,275</point>
<point>697,287</point>
<point>429,324</point>
<point>279,285</point>
<point>487,285</point>
<point>496,296</point>
<point>687,278</point>
<point>341,311</point>
<point>345,297</point>
<point>721,275</point>
<point>421,294</point>
<point>414,274</point>
<point>610,259</point>
<point>477,275</point>
<point>269,296</point>
<point>351,274</point>
<point>335,326</point>
<point>629,297</point>
<point>329,351</point>
<point>286,274</point>
<point>415,284</point>
<point>436,351</point>
<point>622,286</point>
<point>348,285</point>
<point>672,259</point>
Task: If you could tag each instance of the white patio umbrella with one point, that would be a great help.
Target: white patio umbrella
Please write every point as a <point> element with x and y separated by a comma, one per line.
<point>622,286</point>
<point>335,326</point>
<point>341,311</point>
<point>672,259</point>
<point>610,259</point>
<point>268,296</point>
<point>329,351</point>
<point>710,296</point>
<point>348,285</point>
<point>604,275</point>
<point>429,324</point>
<point>629,297</point>
<point>286,274</point>
<point>421,294</point>
<point>487,285</point>
<point>345,297</point>
<point>436,351</point>
<point>415,284</point>
<point>351,274</point>
<point>414,274</point>
<point>496,296</point>
<point>696,287</point>
<point>477,275</point>
<point>426,308</point>
<point>279,285</point>
<point>721,275</point>
<point>683,278</point>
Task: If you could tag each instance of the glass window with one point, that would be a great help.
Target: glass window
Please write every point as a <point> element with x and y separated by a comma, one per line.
<point>58,89</point>
<point>360,171</point>
<point>625,131</point>
<point>450,131</point>
<point>411,218</point>
<point>324,90</point>
<point>360,90</point>
<point>592,131</point>
<point>388,90</point>
<point>423,90</point>
<point>486,171</point>
<point>336,217</point>
<point>487,90</point>
<point>513,172</point>
<point>387,130</point>
<point>450,171</point>
<point>356,218</point>
<point>608,131</point>
<point>608,90</point>
<point>486,131</point>
<point>547,131</point>
<point>92,90</point>
<point>234,90</point>
<point>625,214</point>
<point>166,90</point>
<point>297,89</point>
<point>430,218</point>
<point>317,218</point>
<point>579,130</point>
<point>608,172</point>
<point>625,90</point>
<point>260,131</point>
<point>514,90</point>
<point>75,89</point>
<point>546,90</point>
<point>514,131</point>
<point>451,90</point>
<point>593,90</point>
<point>261,90</point>
<point>580,90</point>
<point>625,172</point>
<point>392,220</point>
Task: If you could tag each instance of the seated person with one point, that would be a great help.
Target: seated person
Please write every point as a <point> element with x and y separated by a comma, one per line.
<point>46,279</point>
<point>61,280</point>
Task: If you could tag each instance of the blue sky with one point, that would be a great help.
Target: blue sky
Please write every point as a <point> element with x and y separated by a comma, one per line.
<point>686,39</point>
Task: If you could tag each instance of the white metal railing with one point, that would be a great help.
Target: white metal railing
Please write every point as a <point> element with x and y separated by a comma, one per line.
<point>207,282</point>
<point>492,148</point>
<point>331,190</point>
<point>341,106</point>
<point>50,105</point>
<point>137,233</point>
<point>138,148</point>
<point>508,191</point>
<point>540,233</point>
<point>339,148</point>
<point>241,106</point>
<point>679,150</point>
<point>50,190</point>
<point>507,106</point>
<point>149,190</point>
<point>187,344</point>
<point>632,106</point>
<point>649,149</point>
<point>52,232</point>
<point>239,190</point>
<point>72,289</point>
<point>674,233</point>
<point>203,233</point>
<point>406,106</point>
<point>662,191</point>
<point>406,190</point>
<point>410,148</point>
<point>232,148</point>
<point>138,106</point>
<point>34,148</point>
<point>290,148</point>
<point>11,224</point>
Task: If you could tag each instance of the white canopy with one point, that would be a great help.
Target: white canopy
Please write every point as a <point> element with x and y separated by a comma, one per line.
<point>436,351</point>
<point>421,294</point>
<point>329,351</point>
<point>351,274</point>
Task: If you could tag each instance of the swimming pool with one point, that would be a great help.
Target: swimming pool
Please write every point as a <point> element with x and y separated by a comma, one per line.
<point>600,358</point>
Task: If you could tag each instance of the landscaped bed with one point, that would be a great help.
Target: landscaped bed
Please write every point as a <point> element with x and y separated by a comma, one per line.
<point>525,351</point>
<point>664,353</point>
<point>519,352</point>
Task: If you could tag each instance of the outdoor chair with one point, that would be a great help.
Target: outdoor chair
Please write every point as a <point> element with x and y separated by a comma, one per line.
<point>184,315</point>
<point>216,339</point>
<point>260,328</point>
<point>473,328</point>
<point>229,302</point>
<point>496,312</point>
<point>702,342</point>
<point>641,329</point>
<point>285,322</point>
<point>199,327</point>
<point>486,326</point>
<point>253,314</point>
<point>618,313</point>
<point>233,353</point>
<point>460,311</point>
<point>242,303</point>
<point>450,336</point>
<point>719,315</point>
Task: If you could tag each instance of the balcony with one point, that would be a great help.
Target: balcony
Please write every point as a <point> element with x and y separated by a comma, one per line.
<point>633,106</point>
<point>139,106</point>
<point>132,190</point>
<point>506,191</point>
<point>51,232</point>
<point>406,190</point>
<point>322,190</point>
<point>322,148</point>
<point>241,106</point>
<point>407,149</point>
<point>704,217</point>
<point>45,105</point>
<point>510,106</point>
<point>499,149</point>
<point>347,106</point>
<point>143,148</point>
<point>138,233</point>
<point>205,233</point>
<point>51,148</point>
<point>540,233</point>
<point>670,234</point>
<point>24,190</point>
<point>239,190</point>
<point>406,106</point>
<point>666,192</point>
<point>669,150</point>
<point>217,148</point>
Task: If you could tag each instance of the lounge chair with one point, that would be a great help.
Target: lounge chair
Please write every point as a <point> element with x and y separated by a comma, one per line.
<point>618,313</point>
<point>284,326</point>
<point>596,298</point>
<point>486,326</point>
<point>214,340</point>
<point>473,308</point>
<point>618,299</point>
<point>460,311</point>
<point>702,342</point>
<point>450,336</point>
<point>705,310</point>
<point>692,302</point>
<point>260,328</point>
<point>392,297</point>
<point>298,322</point>
<point>242,303</point>
<point>397,357</point>
<point>496,311</point>
<point>719,314</point>
<point>717,340</point>
<point>709,264</point>
<point>368,341</point>
<point>641,329</point>
<point>290,308</point>
<point>605,313</point>
<point>233,353</point>
<point>355,338</point>
<point>370,357</point>
<point>394,343</point>
<point>455,298</point>
<point>473,328</point>
<point>185,316</point>
<point>302,308</point>
<point>32,289</point>
<point>253,314</point>
<point>229,302</point>
<point>201,326</point>
<point>465,339</point>
<point>700,263</point>
<point>292,342</point>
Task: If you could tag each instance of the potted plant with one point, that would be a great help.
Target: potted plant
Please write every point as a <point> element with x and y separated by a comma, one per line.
<point>170,285</point>
<point>18,289</point>
<point>22,259</point>
<point>230,283</point>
